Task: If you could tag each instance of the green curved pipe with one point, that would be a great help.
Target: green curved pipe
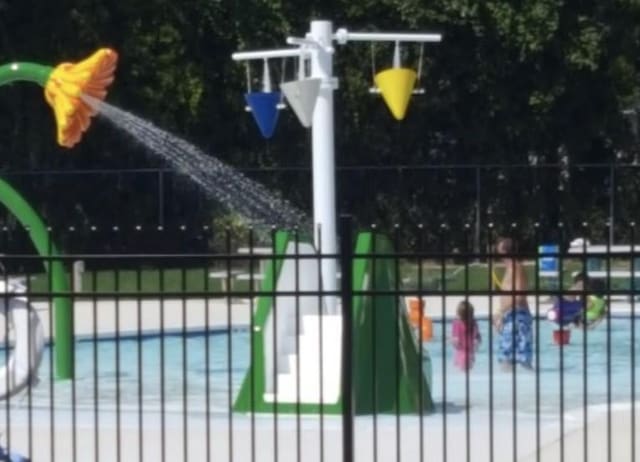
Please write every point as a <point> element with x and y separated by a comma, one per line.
<point>25,214</point>
<point>26,72</point>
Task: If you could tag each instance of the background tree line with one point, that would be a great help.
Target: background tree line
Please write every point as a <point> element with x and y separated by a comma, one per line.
<point>523,82</point>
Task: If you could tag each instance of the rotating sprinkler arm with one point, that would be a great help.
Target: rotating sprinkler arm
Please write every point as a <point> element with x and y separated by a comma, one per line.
<point>67,88</point>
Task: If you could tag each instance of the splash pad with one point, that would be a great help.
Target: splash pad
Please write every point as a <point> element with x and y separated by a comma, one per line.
<point>281,387</point>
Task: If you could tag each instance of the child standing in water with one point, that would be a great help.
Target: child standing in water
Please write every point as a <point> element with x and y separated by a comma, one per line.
<point>465,336</point>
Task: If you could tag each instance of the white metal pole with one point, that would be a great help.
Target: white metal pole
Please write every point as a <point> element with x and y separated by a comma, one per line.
<point>324,195</point>
<point>343,36</point>
<point>266,77</point>
<point>267,54</point>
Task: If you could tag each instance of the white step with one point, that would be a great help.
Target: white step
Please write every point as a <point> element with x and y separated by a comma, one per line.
<point>309,362</point>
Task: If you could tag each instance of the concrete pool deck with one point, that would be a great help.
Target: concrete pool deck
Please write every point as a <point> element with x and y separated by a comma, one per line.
<point>195,438</point>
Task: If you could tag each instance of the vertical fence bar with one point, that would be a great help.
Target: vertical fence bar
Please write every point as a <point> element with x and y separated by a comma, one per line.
<point>608,267</point>
<point>140,358</point>
<point>470,336</point>
<point>163,430</point>
<point>116,290</point>
<point>276,326</point>
<point>253,259</point>
<point>207,357</point>
<point>32,384</point>
<point>321,333</point>
<point>72,300</point>
<point>561,343</point>
<point>443,298</point>
<point>612,198</point>
<point>253,357</point>
<point>227,246</point>
<point>491,240</point>
<point>514,257</point>
<point>296,237</point>
<point>7,403</point>
<point>185,381</point>
<point>633,341</point>
<point>50,299</point>
<point>374,343</point>
<point>536,240</point>
<point>346,262</point>
<point>478,211</point>
<point>420,245</point>
<point>585,362</point>
<point>396,287</point>
<point>96,363</point>
<point>160,197</point>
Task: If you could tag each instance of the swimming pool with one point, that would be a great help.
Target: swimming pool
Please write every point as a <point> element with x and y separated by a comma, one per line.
<point>561,373</point>
<point>174,374</point>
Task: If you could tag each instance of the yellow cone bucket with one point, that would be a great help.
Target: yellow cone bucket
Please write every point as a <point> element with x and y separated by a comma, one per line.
<point>396,85</point>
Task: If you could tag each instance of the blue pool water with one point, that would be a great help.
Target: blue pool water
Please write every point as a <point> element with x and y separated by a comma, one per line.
<point>563,374</point>
<point>172,373</point>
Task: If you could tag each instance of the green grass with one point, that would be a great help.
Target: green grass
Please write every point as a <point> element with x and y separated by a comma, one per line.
<point>146,281</point>
<point>476,277</point>
<point>473,277</point>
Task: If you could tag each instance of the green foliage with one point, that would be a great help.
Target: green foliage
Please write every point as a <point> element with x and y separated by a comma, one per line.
<point>510,82</point>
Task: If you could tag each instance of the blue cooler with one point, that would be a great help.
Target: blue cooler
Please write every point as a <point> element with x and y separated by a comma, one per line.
<point>548,267</point>
<point>549,263</point>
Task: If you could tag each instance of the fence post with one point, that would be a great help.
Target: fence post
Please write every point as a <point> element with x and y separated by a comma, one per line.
<point>612,200</point>
<point>478,217</point>
<point>346,263</point>
<point>161,197</point>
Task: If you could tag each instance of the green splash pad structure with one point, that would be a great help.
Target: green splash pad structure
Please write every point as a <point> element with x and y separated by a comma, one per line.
<point>296,346</point>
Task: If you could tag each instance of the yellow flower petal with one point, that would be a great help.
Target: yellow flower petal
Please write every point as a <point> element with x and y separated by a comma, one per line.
<point>68,83</point>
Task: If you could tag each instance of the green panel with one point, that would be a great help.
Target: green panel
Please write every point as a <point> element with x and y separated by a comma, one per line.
<point>251,396</point>
<point>21,209</point>
<point>376,387</point>
<point>387,360</point>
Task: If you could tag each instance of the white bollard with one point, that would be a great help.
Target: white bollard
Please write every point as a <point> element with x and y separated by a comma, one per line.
<point>78,269</point>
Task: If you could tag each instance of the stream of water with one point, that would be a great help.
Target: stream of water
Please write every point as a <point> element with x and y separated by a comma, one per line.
<point>248,198</point>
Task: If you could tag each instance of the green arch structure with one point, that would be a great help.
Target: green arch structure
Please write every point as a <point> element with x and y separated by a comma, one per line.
<point>39,235</point>
<point>20,208</point>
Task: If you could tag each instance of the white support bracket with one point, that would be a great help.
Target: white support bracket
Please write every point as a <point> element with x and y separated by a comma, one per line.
<point>269,54</point>
<point>342,36</point>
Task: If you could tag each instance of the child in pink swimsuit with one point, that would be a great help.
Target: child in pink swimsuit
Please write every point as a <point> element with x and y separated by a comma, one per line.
<point>465,336</point>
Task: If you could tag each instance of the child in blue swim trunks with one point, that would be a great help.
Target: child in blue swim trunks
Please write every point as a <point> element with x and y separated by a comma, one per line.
<point>513,321</point>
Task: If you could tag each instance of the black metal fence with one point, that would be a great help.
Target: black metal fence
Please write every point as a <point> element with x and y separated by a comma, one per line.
<point>249,355</point>
<point>430,194</point>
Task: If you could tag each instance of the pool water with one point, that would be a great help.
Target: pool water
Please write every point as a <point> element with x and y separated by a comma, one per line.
<point>597,365</point>
<point>152,373</point>
<point>175,372</point>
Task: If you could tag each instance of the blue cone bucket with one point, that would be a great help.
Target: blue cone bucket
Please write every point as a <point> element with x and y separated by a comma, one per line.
<point>264,107</point>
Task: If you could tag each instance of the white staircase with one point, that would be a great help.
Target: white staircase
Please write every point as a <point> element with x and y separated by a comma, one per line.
<point>302,358</point>
<point>309,372</point>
